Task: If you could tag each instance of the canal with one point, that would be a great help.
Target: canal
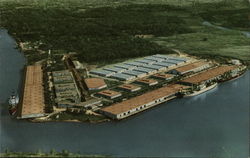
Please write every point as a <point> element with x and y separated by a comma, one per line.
<point>213,124</point>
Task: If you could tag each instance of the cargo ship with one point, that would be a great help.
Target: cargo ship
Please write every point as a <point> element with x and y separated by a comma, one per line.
<point>13,102</point>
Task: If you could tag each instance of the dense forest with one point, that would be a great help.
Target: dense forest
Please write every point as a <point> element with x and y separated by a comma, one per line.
<point>110,32</point>
<point>104,33</point>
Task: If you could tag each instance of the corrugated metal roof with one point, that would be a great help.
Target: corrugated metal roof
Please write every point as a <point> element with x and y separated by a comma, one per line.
<point>134,63</point>
<point>134,73</point>
<point>123,76</point>
<point>164,64</point>
<point>145,61</point>
<point>114,69</point>
<point>155,67</point>
<point>102,72</point>
<point>124,66</point>
<point>144,69</point>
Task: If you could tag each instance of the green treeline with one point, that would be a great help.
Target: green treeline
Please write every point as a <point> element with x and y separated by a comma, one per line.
<point>105,33</point>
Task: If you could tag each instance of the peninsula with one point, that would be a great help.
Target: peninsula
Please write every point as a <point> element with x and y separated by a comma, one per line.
<point>101,61</point>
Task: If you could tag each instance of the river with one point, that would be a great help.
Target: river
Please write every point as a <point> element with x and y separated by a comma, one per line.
<point>213,124</point>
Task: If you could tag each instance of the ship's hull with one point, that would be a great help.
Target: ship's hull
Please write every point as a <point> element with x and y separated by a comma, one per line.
<point>13,102</point>
<point>12,110</point>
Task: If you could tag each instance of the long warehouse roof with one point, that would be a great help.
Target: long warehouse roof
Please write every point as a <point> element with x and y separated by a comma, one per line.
<point>33,97</point>
<point>191,66</point>
<point>209,74</point>
<point>143,99</point>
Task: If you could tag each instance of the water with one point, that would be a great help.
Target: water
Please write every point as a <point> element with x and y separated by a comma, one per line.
<point>206,23</point>
<point>213,124</point>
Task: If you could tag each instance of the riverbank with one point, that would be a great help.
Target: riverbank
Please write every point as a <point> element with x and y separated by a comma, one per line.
<point>52,153</point>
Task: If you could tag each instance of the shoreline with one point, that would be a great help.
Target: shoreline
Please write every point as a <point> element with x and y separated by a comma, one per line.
<point>71,121</point>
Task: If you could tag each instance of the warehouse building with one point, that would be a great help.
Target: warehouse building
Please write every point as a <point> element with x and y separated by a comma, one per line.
<point>209,75</point>
<point>167,65</point>
<point>146,70</point>
<point>134,63</point>
<point>175,62</point>
<point>33,93</point>
<point>146,61</point>
<point>129,87</point>
<point>95,83</point>
<point>123,77</point>
<point>191,68</point>
<point>100,72</point>
<point>148,82</point>
<point>124,66</point>
<point>65,88</point>
<point>61,73</point>
<point>115,69</point>
<point>137,104</point>
<point>163,76</point>
<point>138,74</point>
<point>170,57</point>
<point>154,58</point>
<point>110,94</point>
<point>155,67</point>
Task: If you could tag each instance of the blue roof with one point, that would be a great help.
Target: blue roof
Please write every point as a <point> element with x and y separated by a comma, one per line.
<point>155,67</point>
<point>124,66</point>
<point>164,64</point>
<point>102,72</point>
<point>161,56</point>
<point>143,69</point>
<point>134,73</point>
<point>134,63</point>
<point>145,61</point>
<point>177,58</point>
<point>153,58</point>
<point>122,76</point>
<point>172,61</point>
<point>114,69</point>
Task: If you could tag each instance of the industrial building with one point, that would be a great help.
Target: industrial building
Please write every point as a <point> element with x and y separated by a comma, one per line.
<point>148,82</point>
<point>175,62</point>
<point>151,64</point>
<point>129,87</point>
<point>134,63</point>
<point>191,68</point>
<point>209,75</point>
<point>63,76</point>
<point>154,58</point>
<point>110,94</point>
<point>146,61</point>
<point>146,70</point>
<point>95,83</point>
<point>167,65</point>
<point>66,90</point>
<point>101,72</point>
<point>138,74</point>
<point>155,67</point>
<point>137,104</point>
<point>33,93</point>
<point>163,76</point>
<point>124,66</point>
<point>123,77</point>
<point>114,69</point>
